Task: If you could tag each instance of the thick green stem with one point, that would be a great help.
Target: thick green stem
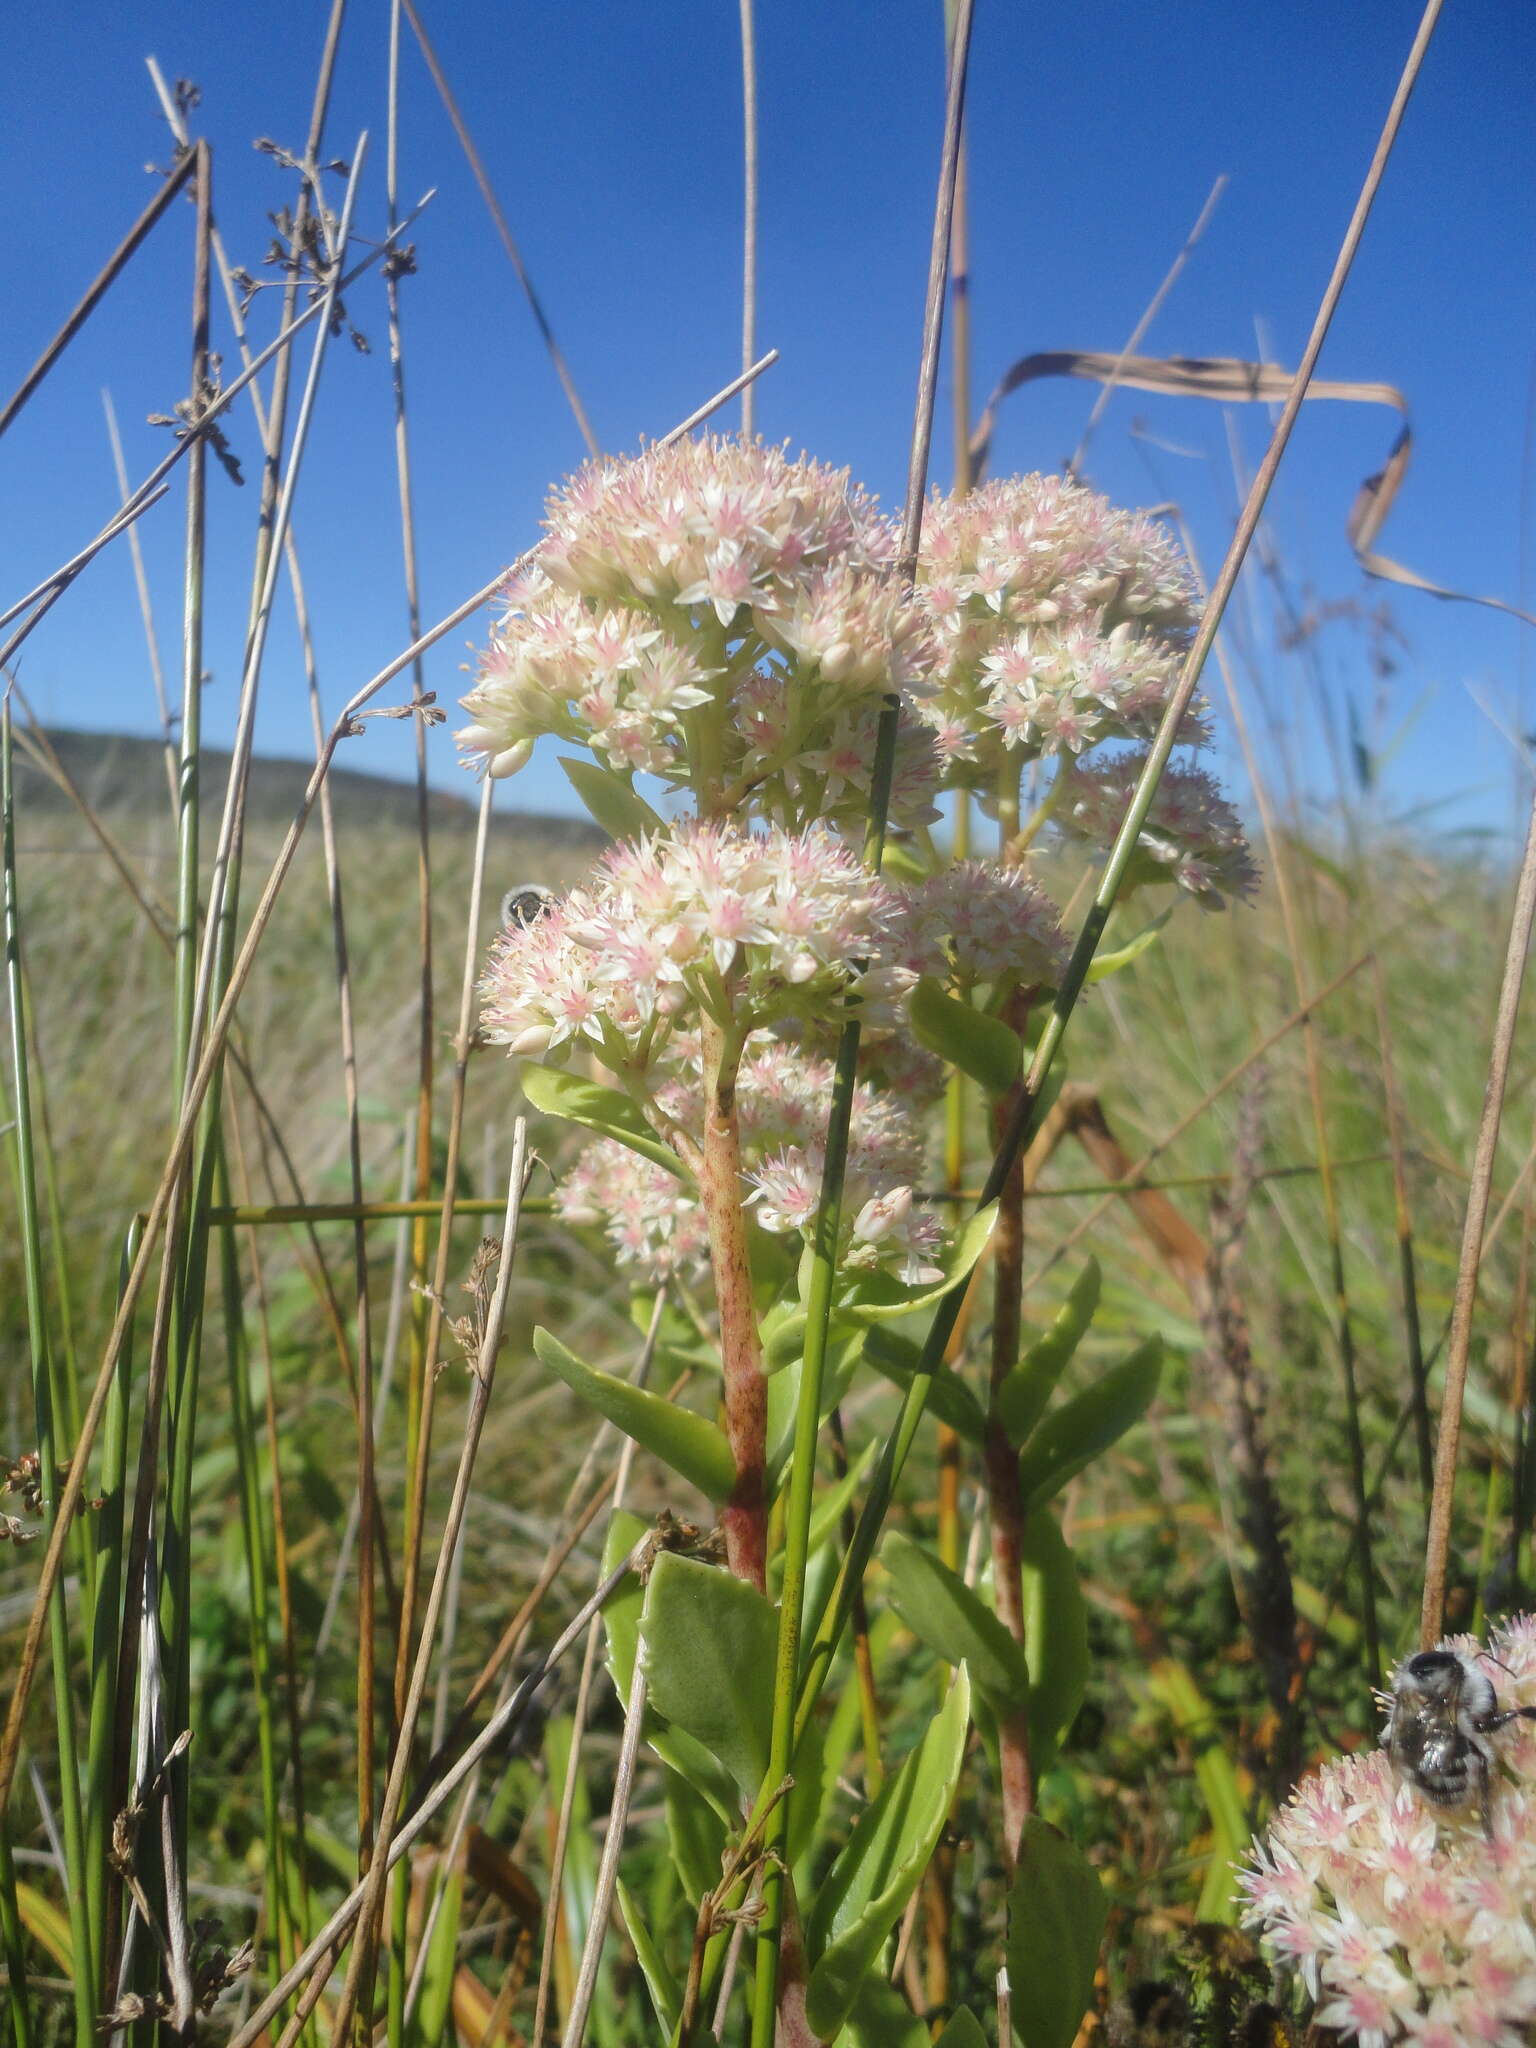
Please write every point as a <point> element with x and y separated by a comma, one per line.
<point>744,1518</point>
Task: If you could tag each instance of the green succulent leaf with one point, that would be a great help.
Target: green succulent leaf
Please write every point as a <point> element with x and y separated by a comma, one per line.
<point>707,1644</point>
<point>963,2031</point>
<point>898,1357</point>
<point>980,1046</point>
<point>554,1092</point>
<point>612,800</point>
<point>689,1443</point>
<point>1083,1428</point>
<point>880,2017</point>
<point>870,1883</point>
<point>1056,1915</point>
<point>1106,964</point>
<point>1055,1636</point>
<point>1022,1398</point>
<point>946,1614</point>
<point>621,1610</point>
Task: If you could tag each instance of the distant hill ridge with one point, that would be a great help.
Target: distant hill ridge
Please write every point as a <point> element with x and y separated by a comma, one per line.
<point>126,772</point>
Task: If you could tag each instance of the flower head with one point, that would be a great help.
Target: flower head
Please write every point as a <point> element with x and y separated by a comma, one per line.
<point>654,1221</point>
<point>1192,835</point>
<point>667,923</point>
<point>1408,1922</point>
<point>673,592</point>
<point>1058,620</point>
<point>981,923</point>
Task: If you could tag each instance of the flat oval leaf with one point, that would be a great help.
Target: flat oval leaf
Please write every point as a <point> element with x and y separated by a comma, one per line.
<point>696,1836</point>
<point>1106,964</point>
<point>1056,1915</point>
<point>612,800</point>
<point>945,1613</point>
<point>1083,1428</point>
<point>707,1643</point>
<point>877,1872</point>
<point>1022,1397</point>
<point>1055,1636</point>
<point>554,1092</point>
<point>949,1398</point>
<point>981,1046</point>
<point>882,2018</point>
<point>689,1443</point>
<point>895,1300</point>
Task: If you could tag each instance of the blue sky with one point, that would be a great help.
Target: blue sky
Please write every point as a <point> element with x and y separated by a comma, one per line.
<point>612,133</point>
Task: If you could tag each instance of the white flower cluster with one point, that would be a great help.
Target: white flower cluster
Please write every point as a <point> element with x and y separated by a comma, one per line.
<point>784,918</point>
<point>1407,1922</point>
<point>1059,622</point>
<point>1192,835</point>
<point>671,583</point>
<point>654,1221</point>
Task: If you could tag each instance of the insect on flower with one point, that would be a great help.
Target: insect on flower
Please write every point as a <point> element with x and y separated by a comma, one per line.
<point>525,902</point>
<point>1441,1711</point>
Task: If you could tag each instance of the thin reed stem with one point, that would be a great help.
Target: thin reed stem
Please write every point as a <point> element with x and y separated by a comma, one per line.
<point>484,1379</point>
<point>160,1208</point>
<point>514,254</point>
<point>1464,1301</point>
<point>115,264</point>
<point>608,1866</point>
<point>45,1405</point>
<point>894,1452</point>
<point>579,1715</point>
<point>748,208</point>
<point>317,1957</point>
<point>769,1934</point>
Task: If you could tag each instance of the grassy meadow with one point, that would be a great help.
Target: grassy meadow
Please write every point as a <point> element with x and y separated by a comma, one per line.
<point>425,1626</point>
<point>1156,1528</point>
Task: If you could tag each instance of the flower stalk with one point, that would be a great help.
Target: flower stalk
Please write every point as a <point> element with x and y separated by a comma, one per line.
<point>745,1516</point>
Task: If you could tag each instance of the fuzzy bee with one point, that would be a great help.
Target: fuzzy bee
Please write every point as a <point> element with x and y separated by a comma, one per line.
<point>1441,1711</point>
<point>525,903</point>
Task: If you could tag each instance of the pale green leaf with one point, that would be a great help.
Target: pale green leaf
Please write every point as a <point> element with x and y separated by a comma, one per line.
<point>708,1642</point>
<point>1106,964</point>
<point>1022,1398</point>
<point>886,1299</point>
<point>1083,1428</point>
<point>555,1092</point>
<point>1056,1915</point>
<point>945,1613</point>
<point>980,1046</point>
<point>1055,1636</point>
<point>612,800</point>
<point>868,1886</point>
<point>666,1994</point>
<point>689,1443</point>
<point>898,1357</point>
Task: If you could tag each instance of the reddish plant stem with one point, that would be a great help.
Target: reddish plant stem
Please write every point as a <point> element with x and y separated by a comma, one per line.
<point>744,1519</point>
<point>1004,1499</point>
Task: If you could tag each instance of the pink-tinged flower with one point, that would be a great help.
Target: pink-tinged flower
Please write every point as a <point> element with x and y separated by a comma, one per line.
<point>977,922</point>
<point>1409,1922</point>
<point>1058,622</point>
<point>1192,835</point>
<point>781,925</point>
<point>653,1219</point>
<point>673,584</point>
